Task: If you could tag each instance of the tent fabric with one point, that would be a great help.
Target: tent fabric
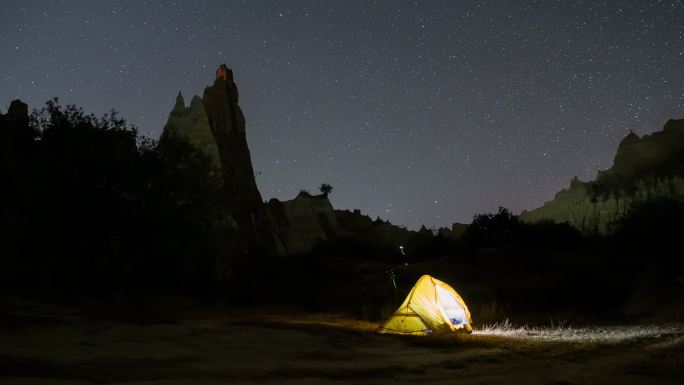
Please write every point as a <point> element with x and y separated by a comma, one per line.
<point>431,306</point>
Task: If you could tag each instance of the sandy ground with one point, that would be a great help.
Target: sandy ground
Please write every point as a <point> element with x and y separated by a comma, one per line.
<point>47,344</point>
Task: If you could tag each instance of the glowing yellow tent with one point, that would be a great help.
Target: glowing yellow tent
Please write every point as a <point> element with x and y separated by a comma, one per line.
<point>431,306</point>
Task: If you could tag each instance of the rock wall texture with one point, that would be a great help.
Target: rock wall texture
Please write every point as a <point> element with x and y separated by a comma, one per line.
<point>192,123</point>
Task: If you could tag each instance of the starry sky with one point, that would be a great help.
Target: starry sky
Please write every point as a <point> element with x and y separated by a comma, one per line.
<point>420,112</point>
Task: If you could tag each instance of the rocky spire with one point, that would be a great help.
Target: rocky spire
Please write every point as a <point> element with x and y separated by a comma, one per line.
<point>243,198</point>
<point>18,113</point>
<point>196,105</point>
<point>216,125</point>
<point>180,103</point>
<point>227,123</point>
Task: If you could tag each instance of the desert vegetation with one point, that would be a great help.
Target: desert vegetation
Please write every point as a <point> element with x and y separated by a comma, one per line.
<point>92,204</point>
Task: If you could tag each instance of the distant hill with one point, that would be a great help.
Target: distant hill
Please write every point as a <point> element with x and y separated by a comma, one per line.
<point>643,169</point>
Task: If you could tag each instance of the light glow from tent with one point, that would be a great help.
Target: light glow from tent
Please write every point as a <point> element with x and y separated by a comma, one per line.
<point>452,308</point>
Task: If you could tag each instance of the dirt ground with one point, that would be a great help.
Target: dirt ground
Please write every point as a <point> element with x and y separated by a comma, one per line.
<point>49,344</point>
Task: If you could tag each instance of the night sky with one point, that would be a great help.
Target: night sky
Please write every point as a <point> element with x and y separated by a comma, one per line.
<point>420,112</point>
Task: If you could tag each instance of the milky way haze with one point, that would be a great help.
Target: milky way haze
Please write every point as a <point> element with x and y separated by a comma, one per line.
<point>418,112</point>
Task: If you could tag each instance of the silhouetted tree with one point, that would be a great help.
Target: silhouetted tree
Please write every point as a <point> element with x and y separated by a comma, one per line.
<point>550,235</point>
<point>493,230</point>
<point>326,189</point>
<point>654,228</point>
<point>91,202</point>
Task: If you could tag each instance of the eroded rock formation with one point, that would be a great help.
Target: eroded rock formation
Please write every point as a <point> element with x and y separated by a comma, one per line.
<point>304,221</point>
<point>376,231</point>
<point>643,168</point>
<point>227,124</point>
<point>215,124</point>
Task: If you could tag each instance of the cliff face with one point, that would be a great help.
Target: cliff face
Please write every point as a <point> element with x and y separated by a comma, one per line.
<point>304,221</point>
<point>643,168</point>
<point>227,124</point>
<point>637,155</point>
<point>572,205</point>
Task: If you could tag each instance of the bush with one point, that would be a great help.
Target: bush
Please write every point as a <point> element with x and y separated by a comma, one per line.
<point>652,229</point>
<point>550,235</point>
<point>493,230</point>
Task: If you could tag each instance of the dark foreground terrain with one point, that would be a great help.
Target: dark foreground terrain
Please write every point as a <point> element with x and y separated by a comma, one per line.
<point>61,344</point>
